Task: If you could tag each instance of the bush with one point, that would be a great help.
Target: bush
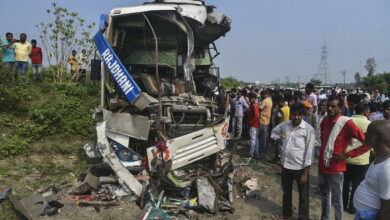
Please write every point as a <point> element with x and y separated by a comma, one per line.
<point>67,111</point>
<point>72,89</point>
<point>14,146</point>
<point>53,109</point>
<point>12,99</point>
<point>76,117</point>
<point>33,132</point>
<point>59,149</point>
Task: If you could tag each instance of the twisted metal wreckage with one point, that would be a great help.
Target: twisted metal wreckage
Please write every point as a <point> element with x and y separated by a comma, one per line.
<point>166,103</point>
<point>166,45</point>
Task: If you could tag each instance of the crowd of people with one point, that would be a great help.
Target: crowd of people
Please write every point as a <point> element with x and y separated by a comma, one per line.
<point>16,54</point>
<point>346,131</point>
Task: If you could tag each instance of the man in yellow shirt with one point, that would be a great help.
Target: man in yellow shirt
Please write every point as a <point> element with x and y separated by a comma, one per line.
<point>282,115</point>
<point>73,66</point>
<point>357,166</point>
<point>22,53</point>
<point>265,116</point>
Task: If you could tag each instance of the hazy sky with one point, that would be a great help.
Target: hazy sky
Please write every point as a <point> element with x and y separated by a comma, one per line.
<point>269,39</point>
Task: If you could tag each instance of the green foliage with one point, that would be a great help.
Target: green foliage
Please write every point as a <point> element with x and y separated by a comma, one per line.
<point>32,132</point>
<point>370,66</point>
<point>229,83</point>
<point>316,82</point>
<point>71,89</point>
<point>66,111</point>
<point>379,81</point>
<point>65,32</point>
<point>358,79</point>
<point>13,99</point>
<point>12,147</point>
<point>29,113</point>
<point>58,149</point>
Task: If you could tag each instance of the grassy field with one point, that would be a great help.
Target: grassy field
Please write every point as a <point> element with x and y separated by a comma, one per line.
<point>43,129</point>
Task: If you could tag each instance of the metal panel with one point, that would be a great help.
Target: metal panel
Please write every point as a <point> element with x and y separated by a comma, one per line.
<point>120,138</point>
<point>125,178</point>
<point>192,147</point>
<point>135,126</point>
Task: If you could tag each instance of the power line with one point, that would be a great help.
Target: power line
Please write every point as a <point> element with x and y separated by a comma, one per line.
<point>344,73</point>
<point>322,72</point>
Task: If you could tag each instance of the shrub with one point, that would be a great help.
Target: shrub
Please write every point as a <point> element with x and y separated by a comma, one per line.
<point>59,149</point>
<point>14,146</point>
<point>48,115</point>
<point>72,89</point>
<point>66,111</point>
<point>33,132</point>
<point>12,99</point>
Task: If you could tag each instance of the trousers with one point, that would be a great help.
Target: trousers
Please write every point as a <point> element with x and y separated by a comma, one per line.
<point>264,138</point>
<point>354,175</point>
<point>23,66</point>
<point>237,124</point>
<point>331,187</point>
<point>288,178</point>
<point>254,138</point>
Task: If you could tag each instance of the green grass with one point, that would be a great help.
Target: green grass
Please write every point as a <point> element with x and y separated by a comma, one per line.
<point>43,130</point>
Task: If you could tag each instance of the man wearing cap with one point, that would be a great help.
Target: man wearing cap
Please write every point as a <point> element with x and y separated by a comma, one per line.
<point>309,116</point>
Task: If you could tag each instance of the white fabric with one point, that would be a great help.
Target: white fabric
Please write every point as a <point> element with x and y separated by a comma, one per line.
<point>321,96</point>
<point>374,187</point>
<point>82,61</point>
<point>332,138</point>
<point>318,131</point>
<point>298,144</point>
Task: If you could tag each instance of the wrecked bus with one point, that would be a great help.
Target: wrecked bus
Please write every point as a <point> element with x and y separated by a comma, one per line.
<point>157,84</point>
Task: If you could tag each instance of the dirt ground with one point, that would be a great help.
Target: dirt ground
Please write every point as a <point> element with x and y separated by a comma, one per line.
<point>270,177</point>
<point>263,207</point>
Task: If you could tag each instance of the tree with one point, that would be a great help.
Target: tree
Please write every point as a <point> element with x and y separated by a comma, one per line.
<point>229,82</point>
<point>379,81</point>
<point>65,32</point>
<point>358,79</point>
<point>316,82</point>
<point>370,66</point>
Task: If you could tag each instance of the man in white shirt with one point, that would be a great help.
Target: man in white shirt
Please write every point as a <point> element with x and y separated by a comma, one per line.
<point>297,155</point>
<point>83,63</point>
<point>321,96</point>
<point>372,197</point>
<point>320,116</point>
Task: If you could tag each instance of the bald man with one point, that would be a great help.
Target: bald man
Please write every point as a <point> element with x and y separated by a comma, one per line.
<point>372,197</point>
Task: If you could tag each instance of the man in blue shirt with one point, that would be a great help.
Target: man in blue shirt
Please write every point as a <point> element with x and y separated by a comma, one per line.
<point>240,108</point>
<point>8,60</point>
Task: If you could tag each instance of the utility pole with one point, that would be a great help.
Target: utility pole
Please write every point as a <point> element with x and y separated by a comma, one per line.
<point>344,73</point>
<point>322,72</point>
<point>299,81</point>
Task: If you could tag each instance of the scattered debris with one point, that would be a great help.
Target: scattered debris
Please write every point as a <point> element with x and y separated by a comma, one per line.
<point>150,212</point>
<point>31,207</point>
<point>239,164</point>
<point>251,184</point>
<point>125,178</point>
<point>159,132</point>
<point>3,192</point>
<point>206,195</point>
